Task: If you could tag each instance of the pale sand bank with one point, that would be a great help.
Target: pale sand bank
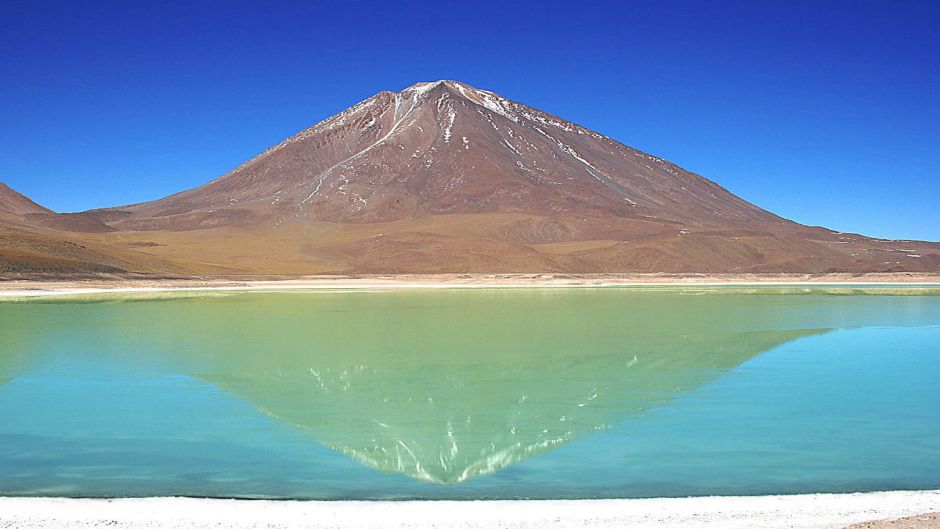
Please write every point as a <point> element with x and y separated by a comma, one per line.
<point>813,511</point>
<point>10,287</point>
<point>922,521</point>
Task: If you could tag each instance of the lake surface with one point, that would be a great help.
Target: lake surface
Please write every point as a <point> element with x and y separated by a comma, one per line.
<point>504,393</point>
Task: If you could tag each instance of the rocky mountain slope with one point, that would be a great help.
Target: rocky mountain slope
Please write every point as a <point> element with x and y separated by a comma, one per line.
<point>445,148</point>
<point>444,177</point>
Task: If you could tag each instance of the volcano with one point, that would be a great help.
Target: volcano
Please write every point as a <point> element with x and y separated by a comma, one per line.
<point>444,148</point>
<point>445,177</point>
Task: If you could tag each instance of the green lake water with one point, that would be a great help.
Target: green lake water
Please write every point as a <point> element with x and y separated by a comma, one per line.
<point>467,394</point>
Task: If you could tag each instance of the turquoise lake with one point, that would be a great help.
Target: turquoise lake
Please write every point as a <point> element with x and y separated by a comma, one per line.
<point>470,394</point>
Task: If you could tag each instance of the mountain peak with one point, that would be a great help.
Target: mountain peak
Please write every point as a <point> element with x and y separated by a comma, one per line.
<point>464,90</point>
<point>427,85</point>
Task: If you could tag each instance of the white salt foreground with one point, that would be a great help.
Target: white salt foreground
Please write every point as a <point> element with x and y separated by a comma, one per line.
<point>749,512</point>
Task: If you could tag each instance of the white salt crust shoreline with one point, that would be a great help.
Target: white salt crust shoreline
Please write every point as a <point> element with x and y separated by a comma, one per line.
<point>25,289</point>
<point>809,511</point>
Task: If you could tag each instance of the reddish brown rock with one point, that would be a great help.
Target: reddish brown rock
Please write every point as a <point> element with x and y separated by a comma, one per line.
<point>444,177</point>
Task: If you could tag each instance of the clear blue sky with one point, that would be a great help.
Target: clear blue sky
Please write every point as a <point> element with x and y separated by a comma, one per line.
<point>824,112</point>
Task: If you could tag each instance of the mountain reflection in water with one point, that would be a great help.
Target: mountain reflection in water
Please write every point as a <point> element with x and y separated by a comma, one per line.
<point>438,386</point>
<point>446,417</point>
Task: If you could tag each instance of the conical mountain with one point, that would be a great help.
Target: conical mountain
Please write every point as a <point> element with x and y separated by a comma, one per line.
<point>444,148</point>
<point>445,177</point>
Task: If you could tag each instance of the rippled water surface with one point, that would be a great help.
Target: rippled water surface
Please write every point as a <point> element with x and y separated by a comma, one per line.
<point>541,393</point>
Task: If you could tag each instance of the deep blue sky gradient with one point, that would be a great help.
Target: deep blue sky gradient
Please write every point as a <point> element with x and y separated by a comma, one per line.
<point>824,112</point>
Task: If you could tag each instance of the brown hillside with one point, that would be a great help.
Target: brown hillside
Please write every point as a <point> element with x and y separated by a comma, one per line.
<point>444,177</point>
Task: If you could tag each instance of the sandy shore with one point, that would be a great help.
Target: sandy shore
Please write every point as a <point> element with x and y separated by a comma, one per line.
<point>26,287</point>
<point>815,511</point>
<point>922,521</point>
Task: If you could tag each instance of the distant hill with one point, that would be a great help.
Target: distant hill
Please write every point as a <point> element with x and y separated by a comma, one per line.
<point>13,203</point>
<point>30,243</point>
<point>444,177</point>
